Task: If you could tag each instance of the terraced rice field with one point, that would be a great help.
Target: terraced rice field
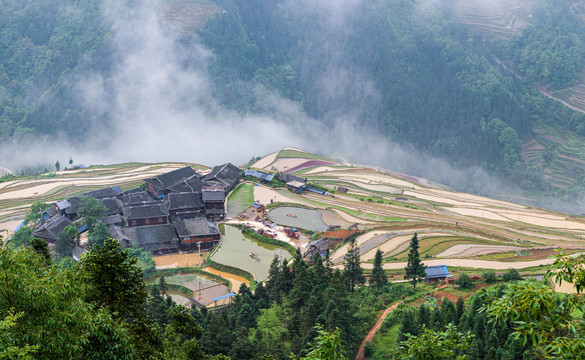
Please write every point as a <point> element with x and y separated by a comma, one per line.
<point>189,15</point>
<point>503,19</point>
<point>560,154</point>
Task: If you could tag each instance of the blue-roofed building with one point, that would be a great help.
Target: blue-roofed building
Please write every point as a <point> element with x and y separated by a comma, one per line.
<point>436,273</point>
<point>259,175</point>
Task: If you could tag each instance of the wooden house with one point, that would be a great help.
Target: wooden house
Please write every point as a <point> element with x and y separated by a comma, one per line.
<point>153,214</point>
<point>184,202</point>
<point>159,239</point>
<point>214,203</point>
<point>50,230</point>
<point>196,230</point>
<point>227,176</point>
<point>160,185</point>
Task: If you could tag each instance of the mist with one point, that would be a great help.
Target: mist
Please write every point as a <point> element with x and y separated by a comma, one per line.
<point>158,101</point>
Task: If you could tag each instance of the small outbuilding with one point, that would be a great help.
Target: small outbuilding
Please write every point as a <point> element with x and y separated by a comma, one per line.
<point>436,273</point>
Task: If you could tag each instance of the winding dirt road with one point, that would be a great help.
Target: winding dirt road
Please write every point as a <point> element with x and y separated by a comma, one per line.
<point>373,331</point>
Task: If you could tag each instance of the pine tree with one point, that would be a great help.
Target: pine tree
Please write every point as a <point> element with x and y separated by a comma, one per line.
<point>460,309</point>
<point>57,165</point>
<point>353,272</point>
<point>415,270</point>
<point>378,278</point>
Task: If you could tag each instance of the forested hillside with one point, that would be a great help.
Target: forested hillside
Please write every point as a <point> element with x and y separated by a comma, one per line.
<point>439,78</point>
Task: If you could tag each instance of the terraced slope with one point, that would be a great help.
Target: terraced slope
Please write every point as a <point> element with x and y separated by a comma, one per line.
<point>189,15</point>
<point>500,18</point>
<point>559,154</point>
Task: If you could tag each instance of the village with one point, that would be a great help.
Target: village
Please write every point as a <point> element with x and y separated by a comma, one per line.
<point>174,212</point>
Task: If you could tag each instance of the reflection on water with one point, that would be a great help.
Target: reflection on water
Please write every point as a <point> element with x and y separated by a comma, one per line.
<point>298,217</point>
<point>236,248</point>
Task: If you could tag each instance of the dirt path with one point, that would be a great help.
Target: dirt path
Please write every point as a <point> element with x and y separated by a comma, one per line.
<point>545,92</point>
<point>373,331</point>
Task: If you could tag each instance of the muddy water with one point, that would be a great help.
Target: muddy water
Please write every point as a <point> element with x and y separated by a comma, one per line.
<point>298,217</point>
<point>235,250</point>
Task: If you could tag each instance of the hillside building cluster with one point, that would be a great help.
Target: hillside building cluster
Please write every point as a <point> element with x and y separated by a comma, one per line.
<point>178,210</point>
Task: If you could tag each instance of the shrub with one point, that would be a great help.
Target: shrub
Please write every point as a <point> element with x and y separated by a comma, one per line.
<point>511,275</point>
<point>490,277</point>
<point>368,349</point>
<point>464,281</point>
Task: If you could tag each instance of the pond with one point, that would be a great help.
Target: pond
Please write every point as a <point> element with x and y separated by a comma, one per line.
<point>205,289</point>
<point>235,250</point>
<point>298,217</point>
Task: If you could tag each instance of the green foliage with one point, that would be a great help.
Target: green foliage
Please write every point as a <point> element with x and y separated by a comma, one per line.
<point>378,278</point>
<point>415,269</point>
<point>352,270</point>
<point>490,276</point>
<point>327,345</point>
<point>33,216</point>
<point>447,345</point>
<point>230,269</point>
<point>464,281</point>
<point>116,279</point>
<point>144,256</point>
<point>41,248</point>
<point>254,235</point>
<point>64,243</point>
<point>511,275</point>
<point>51,304</point>
<point>98,234</point>
<point>22,237</point>
<point>92,210</point>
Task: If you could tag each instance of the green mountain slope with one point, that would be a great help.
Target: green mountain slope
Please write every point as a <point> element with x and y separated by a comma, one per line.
<point>453,80</point>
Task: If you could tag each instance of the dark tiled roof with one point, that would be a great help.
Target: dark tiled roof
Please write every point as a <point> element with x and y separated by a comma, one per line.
<point>137,198</point>
<point>195,227</point>
<point>75,205</point>
<point>179,201</point>
<point>165,181</point>
<point>112,205</point>
<point>52,211</point>
<point>213,195</point>
<point>112,219</point>
<point>119,235</point>
<point>130,191</point>
<point>187,215</point>
<point>52,228</point>
<point>227,174</point>
<point>289,177</point>
<point>192,184</point>
<point>436,271</point>
<point>103,193</point>
<point>153,238</point>
<point>145,212</point>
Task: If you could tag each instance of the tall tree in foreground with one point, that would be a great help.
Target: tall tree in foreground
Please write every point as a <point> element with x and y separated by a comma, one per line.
<point>116,279</point>
<point>353,272</point>
<point>378,278</point>
<point>415,270</point>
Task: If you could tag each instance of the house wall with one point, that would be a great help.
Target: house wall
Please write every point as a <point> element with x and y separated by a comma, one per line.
<point>147,221</point>
<point>189,210</point>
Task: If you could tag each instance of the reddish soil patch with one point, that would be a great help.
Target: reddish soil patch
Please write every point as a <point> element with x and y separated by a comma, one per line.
<point>338,234</point>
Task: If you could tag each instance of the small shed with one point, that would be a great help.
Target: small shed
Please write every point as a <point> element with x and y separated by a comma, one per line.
<point>436,273</point>
<point>295,186</point>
